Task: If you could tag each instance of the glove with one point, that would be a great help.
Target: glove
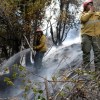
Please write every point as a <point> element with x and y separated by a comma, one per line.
<point>34,47</point>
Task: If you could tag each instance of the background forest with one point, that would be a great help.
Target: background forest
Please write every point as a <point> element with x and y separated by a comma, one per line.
<point>22,17</point>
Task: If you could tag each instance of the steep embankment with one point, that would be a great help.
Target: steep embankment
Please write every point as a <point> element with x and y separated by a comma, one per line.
<point>64,57</point>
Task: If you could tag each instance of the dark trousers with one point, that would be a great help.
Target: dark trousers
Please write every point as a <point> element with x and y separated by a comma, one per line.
<point>87,43</point>
<point>38,59</point>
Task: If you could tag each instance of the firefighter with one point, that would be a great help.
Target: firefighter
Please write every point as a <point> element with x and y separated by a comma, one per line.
<point>90,33</point>
<point>39,45</point>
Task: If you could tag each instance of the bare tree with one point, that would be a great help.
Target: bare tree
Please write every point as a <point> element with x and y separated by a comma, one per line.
<point>65,21</point>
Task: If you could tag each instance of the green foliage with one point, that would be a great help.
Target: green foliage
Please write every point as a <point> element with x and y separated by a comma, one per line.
<point>54,78</point>
<point>8,81</point>
<point>62,94</point>
<point>35,90</point>
<point>27,88</point>
<point>40,98</point>
<point>21,68</point>
<point>14,75</point>
<point>6,69</point>
<point>19,71</point>
<point>80,85</point>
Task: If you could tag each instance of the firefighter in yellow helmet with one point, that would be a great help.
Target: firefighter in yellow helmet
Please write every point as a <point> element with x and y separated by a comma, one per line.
<point>90,32</point>
<point>39,45</point>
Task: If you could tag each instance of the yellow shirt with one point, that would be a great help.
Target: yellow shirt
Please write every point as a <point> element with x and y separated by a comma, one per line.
<point>42,47</point>
<point>90,23</point>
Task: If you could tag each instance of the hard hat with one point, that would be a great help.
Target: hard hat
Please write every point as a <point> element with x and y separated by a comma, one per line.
<point>38,29</point>
<point>86,2</point>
